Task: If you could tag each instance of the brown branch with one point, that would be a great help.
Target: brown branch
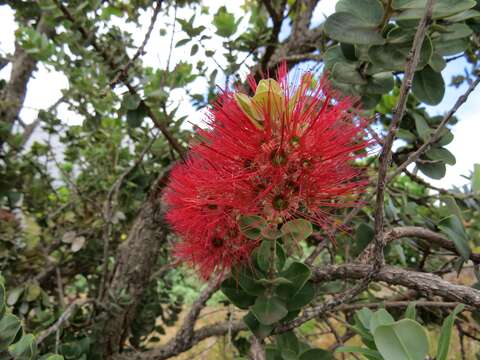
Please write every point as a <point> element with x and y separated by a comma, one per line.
<point>186,337</point>
<point>69,311</point>
<point>416,232</point>
<point>386,154</point>
<point>422,282</point>
<point>435,136</point>
<point>257,351</point>
<point>401,304</point>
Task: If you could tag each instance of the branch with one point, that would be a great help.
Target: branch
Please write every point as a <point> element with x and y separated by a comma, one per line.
<point>423,282</point>
<point>401,304</point>
<point>417,232</point>
<point>140,51</point>
<point>386,155</point>
<point>438,131</point>
<point>69,311</point>
<point>186,337</point>
<point>91,39</point>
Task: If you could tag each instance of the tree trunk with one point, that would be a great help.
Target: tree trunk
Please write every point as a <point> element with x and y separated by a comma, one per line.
<point>135,261</point>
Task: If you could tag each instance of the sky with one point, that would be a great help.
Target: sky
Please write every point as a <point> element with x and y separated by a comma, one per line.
<point>465,145</point>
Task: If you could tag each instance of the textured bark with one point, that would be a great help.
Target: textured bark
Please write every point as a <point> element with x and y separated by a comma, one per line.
<point>135,261</point>
<point>430,236</point>
<point>23,66</point>
<point>425,283</point>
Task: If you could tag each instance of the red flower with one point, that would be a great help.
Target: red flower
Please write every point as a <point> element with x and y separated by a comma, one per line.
<point>285,153</point>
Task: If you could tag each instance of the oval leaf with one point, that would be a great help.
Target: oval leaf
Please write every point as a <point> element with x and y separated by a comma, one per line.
<point>428,86</point>
<point>402,340</point>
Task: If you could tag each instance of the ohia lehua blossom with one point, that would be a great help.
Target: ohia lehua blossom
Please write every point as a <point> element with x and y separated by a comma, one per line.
<point>285,153</point>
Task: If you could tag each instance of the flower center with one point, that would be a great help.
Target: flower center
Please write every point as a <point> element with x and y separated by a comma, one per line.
<point>217,242</point>
<point>278,157</point>
<point>280,203</point>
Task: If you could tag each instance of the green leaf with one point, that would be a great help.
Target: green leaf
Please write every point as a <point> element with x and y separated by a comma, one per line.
<point>235,294</point>
<point>452,206</point>
<point>51,357</point>
<point>442,8</point>
<point>260,330</point>
<point>455,31</point>
<point>402,340</point>
<point>32,291</point>
<point>9,327</point>
<point>441,154</point>
<point>446,333</point>
<point>363,236</point>
<point>269,309</point>
<point>364,315</point>
<point>25,349</point>
<point>297,230</point>
<point>369,11</point>
<point>428,86</point>
<point>392,56</point>
<point>14,295</point>
<point>251,226</point>
<point>453,228</point>
<point>476,178</point>
<point>263,255</point>
<point>450,47</point>
<point>131,101</point>
<point>288,354</point>
<point>136,116</point>
<point>379,84</point>
<point>347,73</point>
<point>378,318</point>
<point>350,29</point>
<point>435,170</point>
<point>411,311</point>
<point>421,125</point>
<point>437,62</point>
<point>371,354</point>
<point>298,273</point>
<point>446,138</point>
<point>287,341</point>
<point>224,22</point>
<point>468,14</point>
<point>247,282</point>
<point>302,298</point>
<point>194,49</point>
<point>316,354</point>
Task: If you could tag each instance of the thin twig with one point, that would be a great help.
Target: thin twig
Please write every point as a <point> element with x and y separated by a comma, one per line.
<point>91,39</point>
<point>140,51</point>
<point>386,154</point>
<point>69,311</point>
<point>438,131</point>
